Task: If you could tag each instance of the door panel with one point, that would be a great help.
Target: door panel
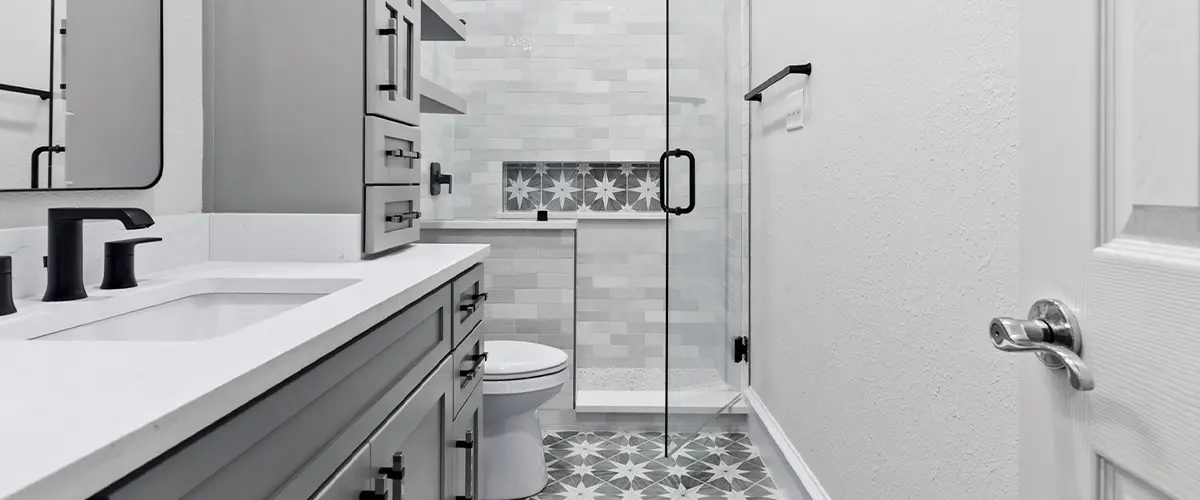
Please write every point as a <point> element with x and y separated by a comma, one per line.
<point>703,221</point>
<point>1110,188</point>
<point>1118,484</point>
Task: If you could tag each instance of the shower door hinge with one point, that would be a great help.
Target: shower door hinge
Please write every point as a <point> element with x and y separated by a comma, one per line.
<point>741,349</point>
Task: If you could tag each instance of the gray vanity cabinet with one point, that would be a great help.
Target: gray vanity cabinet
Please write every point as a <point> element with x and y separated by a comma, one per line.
<point>386,413</point>
<point>311,106</point>
<point>349,482</point>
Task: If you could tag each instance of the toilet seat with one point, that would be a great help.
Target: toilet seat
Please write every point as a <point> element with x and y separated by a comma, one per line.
<point>519,367</point>
<point>511,360</point>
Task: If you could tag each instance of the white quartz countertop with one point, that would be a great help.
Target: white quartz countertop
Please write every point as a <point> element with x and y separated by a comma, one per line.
<point>77,416</point>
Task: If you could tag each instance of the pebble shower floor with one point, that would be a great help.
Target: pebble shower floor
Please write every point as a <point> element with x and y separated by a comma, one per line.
<point>604,465</point>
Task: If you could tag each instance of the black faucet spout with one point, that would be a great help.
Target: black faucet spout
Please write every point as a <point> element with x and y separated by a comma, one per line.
<point>64,262</point>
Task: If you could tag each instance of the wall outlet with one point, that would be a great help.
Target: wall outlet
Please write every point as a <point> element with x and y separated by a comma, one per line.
<point>795,110</point>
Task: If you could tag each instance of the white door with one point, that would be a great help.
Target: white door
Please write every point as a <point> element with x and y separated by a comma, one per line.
<point>1110,224</point>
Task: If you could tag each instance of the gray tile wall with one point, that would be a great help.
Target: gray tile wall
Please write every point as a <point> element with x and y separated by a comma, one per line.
<point>621,294</point>
<point>530,280</point>
<point>583,81</point>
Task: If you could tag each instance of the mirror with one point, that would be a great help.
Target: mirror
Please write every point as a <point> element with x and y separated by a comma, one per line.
<point>80,94</point>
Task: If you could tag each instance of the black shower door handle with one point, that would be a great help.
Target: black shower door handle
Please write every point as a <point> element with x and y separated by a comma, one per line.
<point>662,184</point>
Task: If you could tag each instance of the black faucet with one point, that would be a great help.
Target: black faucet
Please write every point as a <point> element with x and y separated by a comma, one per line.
<point>64,264</point>
<point>6,286</point>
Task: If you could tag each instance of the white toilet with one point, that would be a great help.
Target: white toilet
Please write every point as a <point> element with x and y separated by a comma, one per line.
<point>518,377</point>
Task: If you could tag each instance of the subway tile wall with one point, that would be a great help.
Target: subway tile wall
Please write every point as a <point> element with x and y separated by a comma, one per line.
<point>582,81</point>
<point>622,287</point>
<point>530,280</point>
<point>585,81</point>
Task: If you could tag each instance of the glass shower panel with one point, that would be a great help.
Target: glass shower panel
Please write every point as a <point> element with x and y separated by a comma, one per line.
<point>704,219</point>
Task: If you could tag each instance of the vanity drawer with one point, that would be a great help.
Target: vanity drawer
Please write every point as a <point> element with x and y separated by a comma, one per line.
<point>392,152</point>
<point>390,217</point>
<point>469,358</point>
<point>286,443</point>
<point>469,300</point>
<point>393,32</point>
<point>352,479</point>
<point>412,446</point>
<point>468,428</point>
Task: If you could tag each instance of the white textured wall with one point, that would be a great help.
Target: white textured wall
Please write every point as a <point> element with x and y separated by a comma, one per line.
<point>179,191</point>
<point>884,239</point>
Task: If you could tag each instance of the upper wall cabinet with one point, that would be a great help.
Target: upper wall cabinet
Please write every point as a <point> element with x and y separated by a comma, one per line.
<point>393,60</point>
<point>80,94</point>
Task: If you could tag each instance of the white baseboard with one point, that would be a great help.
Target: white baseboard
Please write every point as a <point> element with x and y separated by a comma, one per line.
<point>793,477</point>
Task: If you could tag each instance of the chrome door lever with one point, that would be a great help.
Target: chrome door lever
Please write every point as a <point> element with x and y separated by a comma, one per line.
<point>1053,333</point>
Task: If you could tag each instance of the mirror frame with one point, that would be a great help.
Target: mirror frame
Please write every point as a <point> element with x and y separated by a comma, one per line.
<point>161,108</point>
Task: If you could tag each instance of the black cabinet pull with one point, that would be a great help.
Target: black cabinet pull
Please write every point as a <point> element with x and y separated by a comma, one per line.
<point>469,445</point>
<point>476,301</point>
<point>396,474</point>
<point>402,153</point>
<point>469,374</point>
<point>393,34</point>
<point>402,218</point>
<point>378,491</point>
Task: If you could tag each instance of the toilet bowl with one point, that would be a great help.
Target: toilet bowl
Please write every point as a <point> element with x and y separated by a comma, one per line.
<point>518,378</point>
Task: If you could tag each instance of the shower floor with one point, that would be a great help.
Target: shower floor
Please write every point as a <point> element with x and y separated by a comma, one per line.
<point>643,390</point>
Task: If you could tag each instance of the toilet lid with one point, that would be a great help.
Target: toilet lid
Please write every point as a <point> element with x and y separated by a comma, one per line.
<point>510,360</point>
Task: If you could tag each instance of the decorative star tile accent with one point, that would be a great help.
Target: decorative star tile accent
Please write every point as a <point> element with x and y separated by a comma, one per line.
<point>586,187</point>
<point>607,465</point>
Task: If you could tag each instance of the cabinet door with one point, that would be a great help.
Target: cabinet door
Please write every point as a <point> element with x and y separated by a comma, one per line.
<point>412,448</point>
<point>352,479</point>
<point>393,59</point>
<point>469,298</point>
<point>468,429</point>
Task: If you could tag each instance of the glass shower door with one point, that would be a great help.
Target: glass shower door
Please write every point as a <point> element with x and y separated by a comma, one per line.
<point>703,197</point>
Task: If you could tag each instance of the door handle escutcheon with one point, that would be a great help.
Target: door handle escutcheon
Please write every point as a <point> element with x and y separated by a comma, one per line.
<point>1053,333</point>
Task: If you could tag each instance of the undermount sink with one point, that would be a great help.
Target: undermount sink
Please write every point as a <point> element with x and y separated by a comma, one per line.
<point>187,310</point>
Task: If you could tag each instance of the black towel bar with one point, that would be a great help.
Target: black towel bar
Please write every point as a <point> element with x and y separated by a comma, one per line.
<point>795,69</point>
<point>44,94</point>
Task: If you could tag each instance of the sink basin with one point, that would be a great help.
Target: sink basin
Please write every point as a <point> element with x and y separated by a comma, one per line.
<point>187,310</point>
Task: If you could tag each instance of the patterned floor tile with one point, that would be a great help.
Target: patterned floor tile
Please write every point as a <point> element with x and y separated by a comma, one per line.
<point>610,465</point>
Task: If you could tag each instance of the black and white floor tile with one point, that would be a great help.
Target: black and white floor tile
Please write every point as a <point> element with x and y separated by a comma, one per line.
<point>581,186</point>
<point>605,465</point>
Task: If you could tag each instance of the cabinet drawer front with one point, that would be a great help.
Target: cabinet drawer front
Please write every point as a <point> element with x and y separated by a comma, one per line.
<point>286,444</point>
<point>391,217</point>
<point>469,300</point>
<point>415,441</point>
<point>468,429</point>
<point>351,480</point>
<point>469,359</point>
<point>393,34</point>
<point>392,152</point>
